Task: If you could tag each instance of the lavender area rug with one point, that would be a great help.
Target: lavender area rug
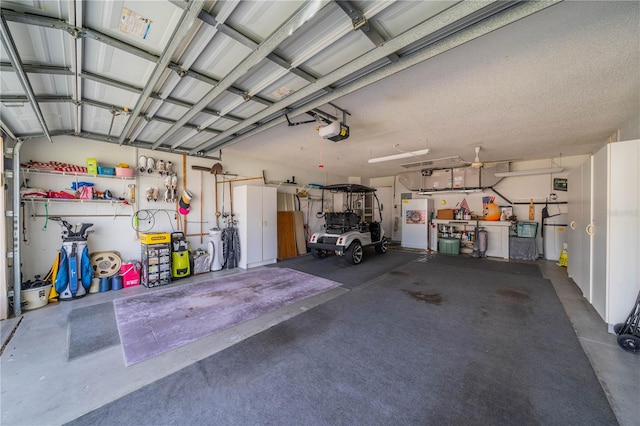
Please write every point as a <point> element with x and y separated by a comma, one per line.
<point>154,323</point>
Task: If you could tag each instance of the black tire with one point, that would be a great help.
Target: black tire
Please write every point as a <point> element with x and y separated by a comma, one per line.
<point>618,327</point>
<point>382,246</point>
<point>629,343</point>
<point>318,253</point>
<point>354,253</point>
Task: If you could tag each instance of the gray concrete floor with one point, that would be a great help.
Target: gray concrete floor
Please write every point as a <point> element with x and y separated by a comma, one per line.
<point>37,381</point>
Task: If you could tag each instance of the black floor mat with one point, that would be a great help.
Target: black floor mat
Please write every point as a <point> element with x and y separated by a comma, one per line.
<point>91,329</point>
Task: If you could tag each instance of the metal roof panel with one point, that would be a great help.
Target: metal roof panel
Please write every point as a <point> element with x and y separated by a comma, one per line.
<point>102,59</point>
<point>144,24</point>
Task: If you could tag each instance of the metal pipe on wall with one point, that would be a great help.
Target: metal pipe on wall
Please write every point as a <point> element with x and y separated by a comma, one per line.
<point>17,279</point>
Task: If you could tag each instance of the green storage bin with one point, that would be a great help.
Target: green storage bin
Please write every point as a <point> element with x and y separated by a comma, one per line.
<point>449,245</point>
<point>527,229</point>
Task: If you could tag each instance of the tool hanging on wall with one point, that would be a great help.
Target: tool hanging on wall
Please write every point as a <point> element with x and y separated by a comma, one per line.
<point>532,211</point>
<point>218,214</point>
<point>132,193</point>
<point>230,200</point>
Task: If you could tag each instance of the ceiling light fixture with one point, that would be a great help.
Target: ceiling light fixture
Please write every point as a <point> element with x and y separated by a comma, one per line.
<point>530,172</point>
<point>399,156</point>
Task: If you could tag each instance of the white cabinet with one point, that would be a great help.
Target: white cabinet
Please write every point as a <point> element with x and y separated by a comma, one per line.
<point>616,230</point>
<point>497,238</point>
<point>606,266</point>
<point>579,196</point>
<point>256,210</point>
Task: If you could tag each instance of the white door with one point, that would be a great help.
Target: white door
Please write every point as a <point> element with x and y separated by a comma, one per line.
<point>415,223</point>
<point>269,224</point>
<point>586,255</point>
<point>623,231</point>
<point>574,205</point>
<point>599,230</point>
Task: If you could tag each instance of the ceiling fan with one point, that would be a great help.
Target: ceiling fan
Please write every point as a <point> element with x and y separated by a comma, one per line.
<point>476,162</point>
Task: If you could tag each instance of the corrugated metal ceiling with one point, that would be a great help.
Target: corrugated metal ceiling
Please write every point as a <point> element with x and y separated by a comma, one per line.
<point>259,52</point>
<point>197,76</point>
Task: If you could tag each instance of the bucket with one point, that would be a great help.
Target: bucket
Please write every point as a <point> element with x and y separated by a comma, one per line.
<point>95,285</point>
<point>105,284</point>
<point>116,282</point>
<point>35,297</point>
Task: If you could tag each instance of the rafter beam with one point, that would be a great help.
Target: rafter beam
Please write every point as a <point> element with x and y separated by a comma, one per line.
<point>39,99</point>
<point>7,130</point>
<point>360,23</point>
<point>271,43</point>
<point>38,69</point>
<point>252,44</point>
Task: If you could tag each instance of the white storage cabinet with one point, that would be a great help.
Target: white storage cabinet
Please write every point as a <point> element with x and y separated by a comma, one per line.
<point>256,210</point>
<point>607,270</point>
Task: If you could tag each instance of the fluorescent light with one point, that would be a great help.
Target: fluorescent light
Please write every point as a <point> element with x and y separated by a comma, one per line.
<point>530,172</point>
<point>399,156</point>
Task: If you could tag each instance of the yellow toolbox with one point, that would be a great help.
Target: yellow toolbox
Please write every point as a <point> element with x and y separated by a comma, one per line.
<point>158,238</point>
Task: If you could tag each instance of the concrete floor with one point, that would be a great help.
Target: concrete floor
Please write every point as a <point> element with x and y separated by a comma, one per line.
<point>37,380</point>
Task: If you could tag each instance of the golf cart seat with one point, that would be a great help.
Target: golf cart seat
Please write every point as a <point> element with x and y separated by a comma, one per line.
<point>339,222</point>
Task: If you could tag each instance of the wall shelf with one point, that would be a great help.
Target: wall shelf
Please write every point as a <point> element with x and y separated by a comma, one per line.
<point>71,200</point>
<point>74,174</point>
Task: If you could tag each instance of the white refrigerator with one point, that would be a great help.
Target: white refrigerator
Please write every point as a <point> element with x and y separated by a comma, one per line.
<point>554,235</point>
<point>416,217</point>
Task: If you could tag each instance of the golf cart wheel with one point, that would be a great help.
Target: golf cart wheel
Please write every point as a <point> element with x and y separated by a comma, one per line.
<point>354,253</point>
<point>629,343</point>
<point>618,327</point>
<point>382,247</point>
<point>318,253</point>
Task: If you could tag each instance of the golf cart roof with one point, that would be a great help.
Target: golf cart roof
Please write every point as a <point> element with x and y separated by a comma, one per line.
<point>348,187</point>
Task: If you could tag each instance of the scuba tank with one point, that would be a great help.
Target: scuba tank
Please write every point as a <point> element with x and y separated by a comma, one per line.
<point>482,238</point>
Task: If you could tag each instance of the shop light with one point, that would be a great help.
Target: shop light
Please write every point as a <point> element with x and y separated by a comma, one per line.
<point>399,156</point>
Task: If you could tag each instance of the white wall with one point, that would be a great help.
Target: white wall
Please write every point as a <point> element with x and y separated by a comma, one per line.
<point>113,222</point>
<point>518,189</point>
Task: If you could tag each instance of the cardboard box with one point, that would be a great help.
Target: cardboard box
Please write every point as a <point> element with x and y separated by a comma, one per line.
<point>130,274</point>
<point>159,238</point>
<point>446,214</point>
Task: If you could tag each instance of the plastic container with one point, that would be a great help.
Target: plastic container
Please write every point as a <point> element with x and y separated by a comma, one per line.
<point>124,171</point>
<point>130,274</point>
<point>105,284</point>
<point>95,285</point>
<point>527,229</point>
<point>116,282</point>
<point>35,297</point>
<point>92,166</point>
<point>107,171</point>
<point>448,245</point>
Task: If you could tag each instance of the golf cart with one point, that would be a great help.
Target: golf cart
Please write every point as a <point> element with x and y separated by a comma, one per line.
<point>345,232</point>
